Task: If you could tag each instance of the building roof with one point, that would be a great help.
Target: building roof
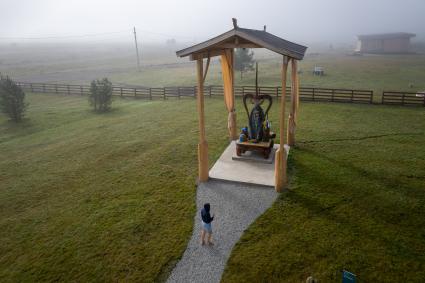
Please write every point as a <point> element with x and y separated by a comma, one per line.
<point>386,35</point>
<point>245,38</point>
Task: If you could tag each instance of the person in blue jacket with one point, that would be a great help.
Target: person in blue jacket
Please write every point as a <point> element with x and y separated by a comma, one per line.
<point>206,225</point>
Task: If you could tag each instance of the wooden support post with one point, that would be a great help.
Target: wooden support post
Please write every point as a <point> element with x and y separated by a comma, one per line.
<point>280,157</point>
<point>227,62</point>
<point>297,96</point>
<point>292,114</point>
<point>203,145</point>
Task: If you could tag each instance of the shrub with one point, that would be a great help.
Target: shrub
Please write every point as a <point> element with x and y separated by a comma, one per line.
<point>12,99</point>
<point>100,96</point>
<point>244,60</point>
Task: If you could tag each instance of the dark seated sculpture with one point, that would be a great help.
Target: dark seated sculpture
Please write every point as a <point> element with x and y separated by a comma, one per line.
<point>258,137</point>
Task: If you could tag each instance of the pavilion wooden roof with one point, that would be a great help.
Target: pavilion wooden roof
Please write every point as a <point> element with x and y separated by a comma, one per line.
<point>243,38</point>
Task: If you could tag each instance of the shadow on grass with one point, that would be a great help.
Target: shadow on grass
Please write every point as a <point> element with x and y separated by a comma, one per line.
<point>362,138</point>
<point>361,212</point>
<point>113,111</point>
<point>13,129</point>
<point>390,182</point>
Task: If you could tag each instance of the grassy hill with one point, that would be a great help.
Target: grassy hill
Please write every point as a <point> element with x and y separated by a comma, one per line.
<point>161,67</point>
<point>89,197</point>
<point>356,202</point>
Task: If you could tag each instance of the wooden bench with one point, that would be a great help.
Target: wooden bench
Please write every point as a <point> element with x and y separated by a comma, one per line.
<point>264,147</point>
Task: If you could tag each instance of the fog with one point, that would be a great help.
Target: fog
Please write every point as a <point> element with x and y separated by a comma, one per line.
<point>303,21</point>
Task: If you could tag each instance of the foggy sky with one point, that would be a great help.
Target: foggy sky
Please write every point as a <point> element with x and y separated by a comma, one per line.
<point>188,20</point>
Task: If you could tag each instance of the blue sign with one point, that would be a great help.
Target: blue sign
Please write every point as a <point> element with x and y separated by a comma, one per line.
<point>348,277</point>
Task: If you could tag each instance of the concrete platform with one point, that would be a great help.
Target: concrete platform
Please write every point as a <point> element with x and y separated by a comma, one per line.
<point>243,171</point>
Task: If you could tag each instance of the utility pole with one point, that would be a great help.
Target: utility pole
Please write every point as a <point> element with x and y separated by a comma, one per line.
<point>137,49</point>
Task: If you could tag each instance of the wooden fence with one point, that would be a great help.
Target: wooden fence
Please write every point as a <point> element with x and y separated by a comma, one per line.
<point>306,93</point>
<point>403,98</point>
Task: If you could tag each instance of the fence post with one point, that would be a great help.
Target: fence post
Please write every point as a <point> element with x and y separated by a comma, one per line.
<point>209,90</point>
<point>371,97</point>
<point>44,88</point>
<point>32,90</point>
<point>194,92</point>
<point>150,93</point>
<point>121,91</point>
<point>333,94</point>
<point>402,99</point>
<point>56,88</point>
<point>68,90</point>
<point>383,97</point>
<point>134,92</point>
<point>352,94</point>
<point>314,93</point>
<point>81,90</point>
<point>178,92</point>
<point>277,91</point>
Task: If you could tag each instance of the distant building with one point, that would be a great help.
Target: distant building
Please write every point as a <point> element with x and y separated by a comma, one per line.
<point>384,43</point>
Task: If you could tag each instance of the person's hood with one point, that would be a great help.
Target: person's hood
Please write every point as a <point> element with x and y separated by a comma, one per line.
<point>207,207</point>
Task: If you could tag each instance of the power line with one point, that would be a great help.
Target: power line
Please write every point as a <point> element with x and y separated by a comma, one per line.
<point>166,35</point>
<point>94,35</point>
<point>68,36</point>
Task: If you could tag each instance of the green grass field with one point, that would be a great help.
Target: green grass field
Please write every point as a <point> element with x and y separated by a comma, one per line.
<point>161,67</point>
<point>372,72</point>
<point>356,202</point>
<point>88,197</point>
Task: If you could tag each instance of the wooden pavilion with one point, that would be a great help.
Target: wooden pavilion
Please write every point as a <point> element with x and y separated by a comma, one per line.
<point>223,45</point>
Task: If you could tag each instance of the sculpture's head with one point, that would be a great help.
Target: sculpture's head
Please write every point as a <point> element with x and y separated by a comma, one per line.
<point>207,207</point>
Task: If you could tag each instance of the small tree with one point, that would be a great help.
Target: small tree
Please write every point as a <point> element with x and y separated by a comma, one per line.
<point>12,99</point>
<point>244,60</point>
<point>100,96</point>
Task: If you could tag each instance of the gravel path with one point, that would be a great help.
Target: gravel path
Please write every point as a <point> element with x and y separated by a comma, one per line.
<point>235,207</point>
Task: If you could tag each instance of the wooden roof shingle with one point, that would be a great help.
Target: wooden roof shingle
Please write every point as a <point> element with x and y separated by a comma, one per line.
<point>241,38</point>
